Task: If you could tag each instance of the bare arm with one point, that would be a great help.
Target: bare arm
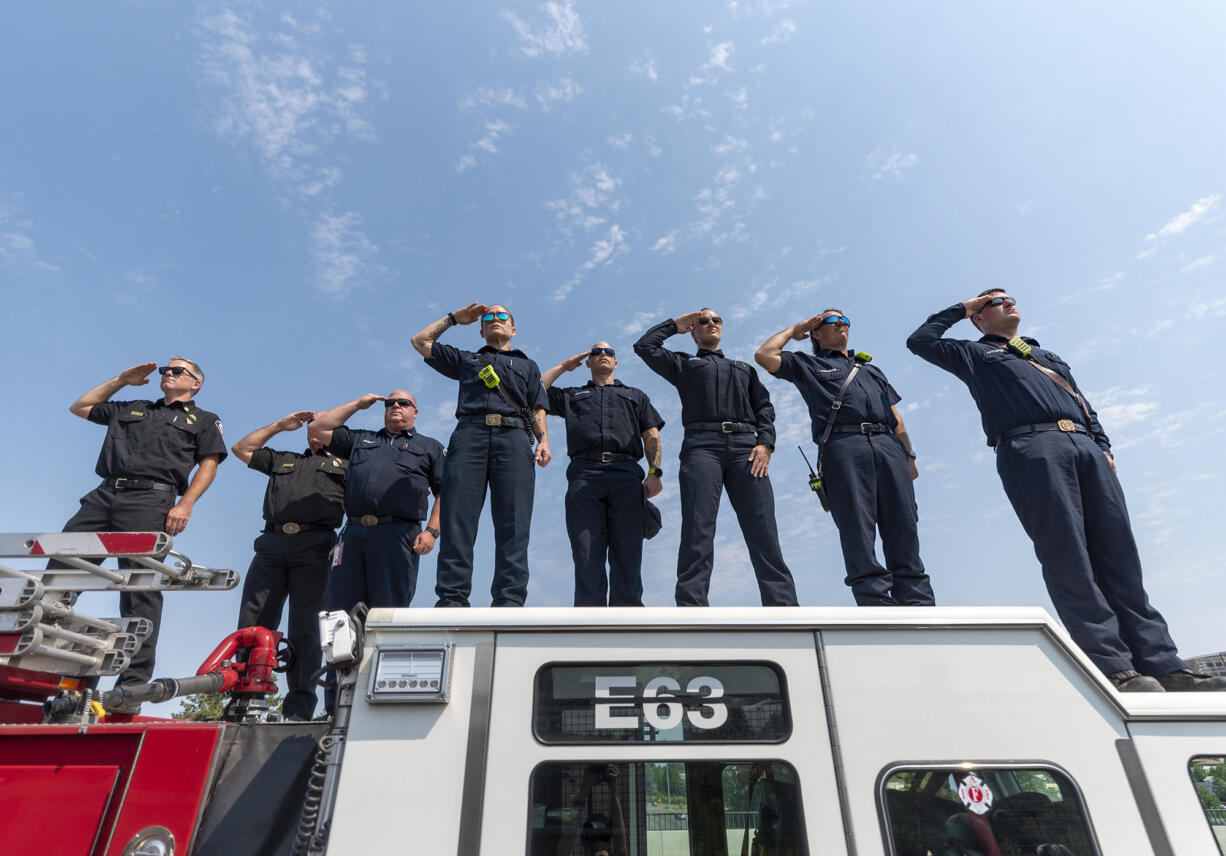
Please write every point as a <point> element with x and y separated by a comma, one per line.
<point>550,376</point>
<point>542,455</point>
<point>424,542</point>
<point>901,433</point>
<point>246,447</point>
<point>135,376</point>
<point>176,519</point>
<point>651,446</point>
<point>424,341</point>
<point>768,357</point>
<point>328,421</point>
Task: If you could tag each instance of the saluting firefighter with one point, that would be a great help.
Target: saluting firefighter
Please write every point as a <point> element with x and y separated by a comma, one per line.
<point>865,458</point>
<point>729,436</point>
<point>1055,462</point>
<point>150,449</point>
<point>303,505</point>
<point>609,426</point>
<point>500,408</point>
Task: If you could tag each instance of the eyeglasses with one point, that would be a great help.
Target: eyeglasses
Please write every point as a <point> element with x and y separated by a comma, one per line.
<point>596,352</point>
<point>492,316</point>
<point>710,319</point>
<point>997,301</point>
<point>403,402</point>
<point>176,371</point>
<point>836,319</point>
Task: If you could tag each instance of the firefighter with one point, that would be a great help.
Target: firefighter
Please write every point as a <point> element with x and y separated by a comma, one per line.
<point>865,456</point>
<point>729,437</point>
<point>303,505</point>
<point>490,447</point>
<point>150,449</point>
<point>608,427</point>
<point>1055,462</point>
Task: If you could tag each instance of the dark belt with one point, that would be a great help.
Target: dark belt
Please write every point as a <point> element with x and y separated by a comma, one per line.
<point>497,420</point>
<point>372,520</point>
<point>138,484</point>
<point>294,528</point>
<point>722,427</point>
<point>1068,426</point>
<point>605,457</point>
<point>863,428</point>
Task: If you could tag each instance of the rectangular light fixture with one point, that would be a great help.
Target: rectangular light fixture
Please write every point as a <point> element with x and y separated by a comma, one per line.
<point>410,673</point>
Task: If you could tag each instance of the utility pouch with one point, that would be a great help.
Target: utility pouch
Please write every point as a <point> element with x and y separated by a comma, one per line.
<point>489,377</point>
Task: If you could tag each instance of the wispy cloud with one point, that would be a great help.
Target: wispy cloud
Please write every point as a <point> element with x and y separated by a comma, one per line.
<point>486,96</point>
<point>562,32</point>
<point>343,254</point>
<point>1203,261</point>
<point>783,31</point>
<point>730,144</point>
<point>603,252</point>
<point>17,248</point>
<point>666,244</point>
<point>891,164</point>
<point>564,90</point>
<point>1179,224</point>
<point>590,201</point>
<point>740,98</point>
<point>645,65</point>
<point>621,141</point>
<point>494,130</point>
<point>1119,406</point>
<point>720,55</point>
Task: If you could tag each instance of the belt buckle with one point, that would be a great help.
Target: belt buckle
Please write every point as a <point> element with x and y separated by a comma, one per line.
<point>866,427</point>
<point>291,528</point>
<point>118,483</point>
<point>1066,425</point>
<point>606,457</point>
<point>493,420</point>
<point>369,520</point>
<point>726,427</point>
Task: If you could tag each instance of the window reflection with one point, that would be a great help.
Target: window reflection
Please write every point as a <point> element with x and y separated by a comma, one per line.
<point>1209,778</point>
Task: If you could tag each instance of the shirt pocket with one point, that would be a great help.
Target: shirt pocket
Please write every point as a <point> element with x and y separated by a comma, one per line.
<point>1003,366</point>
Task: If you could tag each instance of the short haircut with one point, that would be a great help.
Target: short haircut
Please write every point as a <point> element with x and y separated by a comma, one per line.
<point>812,338</point>
<point>985,293</point>
<point>832,309</point>
<point>508,311</point>
<point>196,370</point>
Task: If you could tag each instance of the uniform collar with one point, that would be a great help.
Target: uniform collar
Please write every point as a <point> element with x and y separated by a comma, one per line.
<point>185,406</point>
<point>993,339</point>
<point>592,383</point>
<point>704,352</point>
<point>406,433</point>
<point>323,453</point>
<point>509,352</point>
<point>832,352</point>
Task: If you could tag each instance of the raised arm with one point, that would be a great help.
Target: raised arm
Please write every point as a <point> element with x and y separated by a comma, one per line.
<point>650,348</point>
<point>328,421</point>
<point>245,448</point>
<point>424,341</point>
<point>550,376</point>
<point>768,357</point>
<point>135,376</point>
<point>927,342</point>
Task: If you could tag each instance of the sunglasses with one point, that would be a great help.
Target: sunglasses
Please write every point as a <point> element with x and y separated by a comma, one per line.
<point>495,316</point>
<point>836,319</point>
<point>596,352</point>
<point>403,402</point>
<point>177,371</point>
<point>998,301</point>
<point>710,319</point>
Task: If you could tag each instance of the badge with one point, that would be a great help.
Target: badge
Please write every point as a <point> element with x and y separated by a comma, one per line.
<point>975,794</point>
<point>219,426</point>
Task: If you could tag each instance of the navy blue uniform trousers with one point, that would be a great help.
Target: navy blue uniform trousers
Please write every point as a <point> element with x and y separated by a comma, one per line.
<point>109,510</point>
<point>1072,506</point>
<point>500,459</point>
<point>711,461</point>
<point>293,567</point>
<point>378,566</point>
<point>604,517</point>
<point>868,485</point>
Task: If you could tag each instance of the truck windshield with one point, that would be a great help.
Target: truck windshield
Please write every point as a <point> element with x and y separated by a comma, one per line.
<point>673,808</point>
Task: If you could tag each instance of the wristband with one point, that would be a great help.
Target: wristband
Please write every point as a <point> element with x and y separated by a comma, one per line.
<point>451,317</point>
<point>433,532</point>
<point>654,471</point>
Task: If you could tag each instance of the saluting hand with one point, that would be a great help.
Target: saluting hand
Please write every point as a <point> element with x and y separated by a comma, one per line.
<point>802,330</point>
<point>368,399</point>
<point>759,461</point>
<point>653,486</point>
<point>470,313</point>
<point>976,303</point>
<point>571,363</point>
<point>295,420</point>
<point>423,543</point>
<point>687,322</point>
<point>176,519</point>
<point>137,375</point>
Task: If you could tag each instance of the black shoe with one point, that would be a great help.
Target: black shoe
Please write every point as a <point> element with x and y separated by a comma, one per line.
<point>1130,681</point>
<point>1186,680</point>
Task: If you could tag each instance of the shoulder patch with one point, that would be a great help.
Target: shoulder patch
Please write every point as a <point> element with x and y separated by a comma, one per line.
<point>219,426</point>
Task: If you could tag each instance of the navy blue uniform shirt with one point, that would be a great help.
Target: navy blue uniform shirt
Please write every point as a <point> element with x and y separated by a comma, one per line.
<point>155,440</point>
<point>390,475</point>
<point>303,487</point>
<point>520,375</point>
<point>610,418</point>
<point>1010,392</point>
<point>869,398</point>
<point>712,388</point>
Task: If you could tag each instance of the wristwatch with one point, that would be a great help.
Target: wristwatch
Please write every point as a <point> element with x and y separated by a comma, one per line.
<point>654,471</point>
<point>910,453</point>
<point>433,532</point>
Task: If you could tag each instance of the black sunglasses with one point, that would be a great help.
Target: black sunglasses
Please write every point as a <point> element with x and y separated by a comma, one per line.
<point>836,319</point>
<point>710,319</point>
<point>176,371</point>
<point>403,402</point>
<point>596,352</point>
<point>997,301</point>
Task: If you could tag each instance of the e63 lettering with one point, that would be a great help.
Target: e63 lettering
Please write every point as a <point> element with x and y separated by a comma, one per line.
<point>661,703</point>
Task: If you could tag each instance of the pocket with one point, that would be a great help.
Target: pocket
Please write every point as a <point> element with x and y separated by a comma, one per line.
<point>1001,365</point>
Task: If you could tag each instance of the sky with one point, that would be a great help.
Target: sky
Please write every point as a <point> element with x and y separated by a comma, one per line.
<point>286,193</point>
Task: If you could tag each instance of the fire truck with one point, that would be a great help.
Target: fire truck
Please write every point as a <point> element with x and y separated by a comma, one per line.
<point>625,732</point>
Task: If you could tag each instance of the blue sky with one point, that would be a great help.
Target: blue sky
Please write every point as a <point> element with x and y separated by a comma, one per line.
<point>286,193</point>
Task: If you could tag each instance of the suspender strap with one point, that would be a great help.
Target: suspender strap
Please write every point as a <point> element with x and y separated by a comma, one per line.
<point>1059,380</point>
<point>838,402</point>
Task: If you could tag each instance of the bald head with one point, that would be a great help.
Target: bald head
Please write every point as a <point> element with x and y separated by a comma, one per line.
<point>397,415</point>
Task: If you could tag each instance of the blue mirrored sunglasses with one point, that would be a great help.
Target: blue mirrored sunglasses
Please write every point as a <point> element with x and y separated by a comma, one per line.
<point>836,319</point>
<point>490,316</point>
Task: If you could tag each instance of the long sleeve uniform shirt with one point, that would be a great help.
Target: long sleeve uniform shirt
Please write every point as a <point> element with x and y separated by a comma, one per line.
<point>303,487</point>
<point>712,387</point>
<point>155,440</point>
<point>869,397</point>
<point>1010,393</point>
<point>390,475</point>
<point>610,418</point>
<point>520,375</point>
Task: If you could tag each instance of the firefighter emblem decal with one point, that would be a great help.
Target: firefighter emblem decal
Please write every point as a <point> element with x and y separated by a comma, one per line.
<point>975,794</point>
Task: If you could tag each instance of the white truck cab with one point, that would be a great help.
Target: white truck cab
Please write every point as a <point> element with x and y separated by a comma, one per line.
<point>789,731</point>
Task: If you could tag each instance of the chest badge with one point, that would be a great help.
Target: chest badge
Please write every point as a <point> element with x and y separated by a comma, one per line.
<point>137,413</point>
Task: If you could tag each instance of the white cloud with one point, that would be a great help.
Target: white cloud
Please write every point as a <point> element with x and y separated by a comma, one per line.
<point>783,31</point>
<point>720,54</point>
<point>591,199</point>
<point>653,148</point>
<point>564,90</point>
<point>494,129</point>
<point>603,252</point>
<point>730,144</point>
<point>621,141</point>
<point>16,246</point>
<point>561,34</point>
<point>740,98</point>
<point>343,253</point>
<point>893,164</point>
<point>645,66</point>
<point>466,162</point>
<point>489,97</point>
<point>1178,224</point>
<point>1203,261</point>
<point>666,244</point>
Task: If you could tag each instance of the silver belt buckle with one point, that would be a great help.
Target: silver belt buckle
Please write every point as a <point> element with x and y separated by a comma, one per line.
<point>291,528</point>
<point>606,457</point>
<point>725,427</point>
<point>493,420</point>
<point>369,520</point>
<point>866,427</point>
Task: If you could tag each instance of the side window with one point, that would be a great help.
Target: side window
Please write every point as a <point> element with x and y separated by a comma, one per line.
<point>990,809</point>
<point>671,808</point>
<point>1209,777</point>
